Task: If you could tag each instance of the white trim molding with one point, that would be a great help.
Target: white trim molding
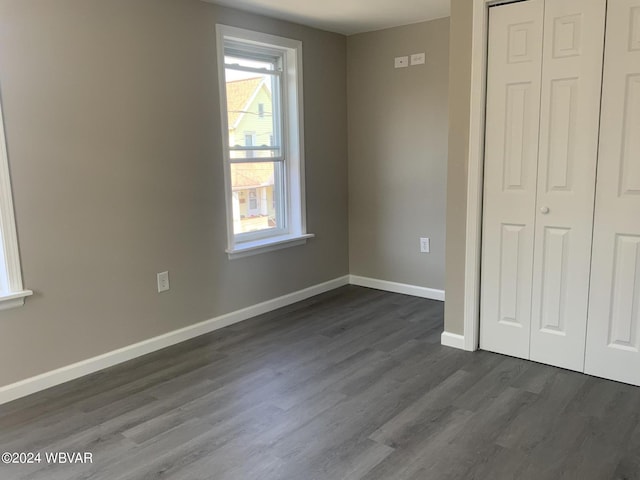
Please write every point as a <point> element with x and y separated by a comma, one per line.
<point>475,180</point>
<point>424,292</point>
<point>14,299</point>
<point>12,293</point>
<point>269,245</point>
<point>453,340</point>
<point>109,359</point>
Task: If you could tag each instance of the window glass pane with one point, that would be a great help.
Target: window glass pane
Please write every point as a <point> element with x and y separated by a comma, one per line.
<point>257,196</point>
<point>253,111</point>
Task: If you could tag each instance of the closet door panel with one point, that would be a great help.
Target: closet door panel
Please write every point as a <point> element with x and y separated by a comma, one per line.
<point>511,153</point>
<point>568,152</point>
<point>613,339</point>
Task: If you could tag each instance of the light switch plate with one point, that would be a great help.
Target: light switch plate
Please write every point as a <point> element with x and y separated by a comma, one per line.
<point>401,62</point>
<point>417,59</point>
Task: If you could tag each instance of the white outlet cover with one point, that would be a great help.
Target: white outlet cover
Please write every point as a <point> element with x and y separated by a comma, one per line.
<point>418,59</point>
<point>401,62</point>
<point>425,245</point>
<point>163,281</point>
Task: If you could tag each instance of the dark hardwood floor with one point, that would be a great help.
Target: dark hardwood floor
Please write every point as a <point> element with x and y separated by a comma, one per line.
<point>351,384</point>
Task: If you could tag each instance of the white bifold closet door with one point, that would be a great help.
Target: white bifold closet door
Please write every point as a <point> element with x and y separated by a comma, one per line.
<point>543,105</point>
<point>569,125</point>
<point>510,172</point>
<point>613,340</point>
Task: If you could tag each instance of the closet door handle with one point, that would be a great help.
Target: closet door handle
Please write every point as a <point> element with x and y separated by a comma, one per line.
<point>544,210</point>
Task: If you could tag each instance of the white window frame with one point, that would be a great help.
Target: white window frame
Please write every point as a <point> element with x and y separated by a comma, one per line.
<point>293,203</point>
<point>12,293</point>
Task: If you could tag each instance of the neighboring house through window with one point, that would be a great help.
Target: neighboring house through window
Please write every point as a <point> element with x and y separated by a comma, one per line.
<point>12,293</point>
<point>249,141</point>
<point>261,99</point>
<point>253,201</point>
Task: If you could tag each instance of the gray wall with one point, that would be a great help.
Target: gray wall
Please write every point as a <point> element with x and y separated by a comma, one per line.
<point>113,127</point>
<point>459,104</point>
<point>398,153</point>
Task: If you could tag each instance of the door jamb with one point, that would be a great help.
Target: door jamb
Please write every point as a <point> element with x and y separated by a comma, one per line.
<point>475,180</point>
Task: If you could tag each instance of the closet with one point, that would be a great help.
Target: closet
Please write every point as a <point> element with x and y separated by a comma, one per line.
<point>560,281</point>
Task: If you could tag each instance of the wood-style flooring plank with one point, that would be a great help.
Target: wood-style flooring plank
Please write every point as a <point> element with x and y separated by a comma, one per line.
<point>348,385</point>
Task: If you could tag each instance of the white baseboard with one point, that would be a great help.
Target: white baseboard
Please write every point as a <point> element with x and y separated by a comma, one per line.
<point>109,359</point>
<point>394,287</point>
<point>452,340</point>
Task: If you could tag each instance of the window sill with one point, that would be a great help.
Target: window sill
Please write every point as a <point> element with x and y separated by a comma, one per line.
<point>15,299</point>
<point>264,245</point>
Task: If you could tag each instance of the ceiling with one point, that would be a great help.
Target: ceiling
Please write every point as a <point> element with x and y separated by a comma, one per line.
<point>346,16</point>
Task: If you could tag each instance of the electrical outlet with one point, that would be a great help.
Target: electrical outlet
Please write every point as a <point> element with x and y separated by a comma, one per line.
<point>425,246</point>
<point>163,282</point>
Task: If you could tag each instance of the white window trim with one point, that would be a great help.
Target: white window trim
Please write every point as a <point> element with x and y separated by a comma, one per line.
<point>247,249</point>
<point>14,294</point>
<point>293,146</point>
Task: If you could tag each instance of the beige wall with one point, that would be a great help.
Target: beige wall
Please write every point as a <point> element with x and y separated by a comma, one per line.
<point>398,153</point>
<point>113,128</point>
<point>459,104</point>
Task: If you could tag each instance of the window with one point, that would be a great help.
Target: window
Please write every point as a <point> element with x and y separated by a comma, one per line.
<point>253,200</point>
<point>261,99</point>
<point>249,142</point>
<point>12,294</point>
